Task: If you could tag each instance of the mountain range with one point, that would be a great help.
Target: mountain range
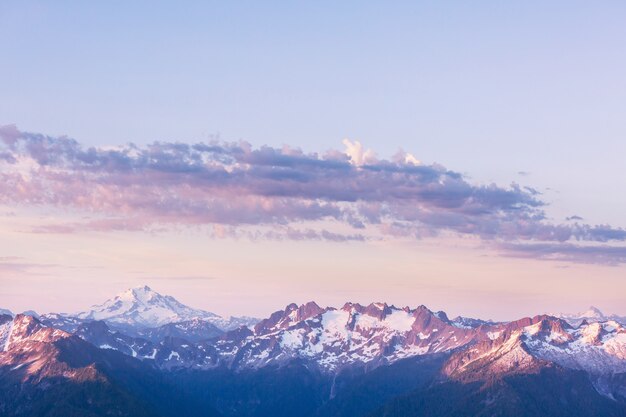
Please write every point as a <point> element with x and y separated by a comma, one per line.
<point>142,353</point>
<point>591,315</point>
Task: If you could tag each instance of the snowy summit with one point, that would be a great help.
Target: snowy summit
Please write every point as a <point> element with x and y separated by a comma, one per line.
<point>141,306</point>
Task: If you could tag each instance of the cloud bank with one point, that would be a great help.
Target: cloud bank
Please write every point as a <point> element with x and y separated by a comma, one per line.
<point>268,192</point>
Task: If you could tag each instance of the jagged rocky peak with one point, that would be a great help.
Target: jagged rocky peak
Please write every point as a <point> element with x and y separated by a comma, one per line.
<point>378,310</point>
<point>61,321</point>
<point>470,323</point>
<point>24,328</point>
<point>352,307</point>
<point>297,313</point>
<point>272,321</point>
<point>441,315</point>
<point>516,347</point>
<point>529,321</point>
<point>4,318</point>
<point>551,329</point>
<point>592,333</point>
<point>308,310</point>
<point>25,325</point>
<point>492,359</point>
<point>425,317</point>
<point>291,315</point>
<point>94,326</point>
<point>237,334</point>
<point>195,329</point>
<point>32,313</point>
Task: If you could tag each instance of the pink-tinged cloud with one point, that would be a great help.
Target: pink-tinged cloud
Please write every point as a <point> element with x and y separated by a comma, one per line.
<point>567,252</point>
<point>271,192</point>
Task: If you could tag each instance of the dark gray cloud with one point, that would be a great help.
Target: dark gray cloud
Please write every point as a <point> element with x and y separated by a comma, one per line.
<point>574,218</point>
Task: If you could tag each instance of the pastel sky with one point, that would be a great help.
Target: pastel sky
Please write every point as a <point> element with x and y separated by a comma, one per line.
<point>244,155</point>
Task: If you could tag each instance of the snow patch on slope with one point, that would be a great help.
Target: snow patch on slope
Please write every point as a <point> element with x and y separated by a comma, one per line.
<point>598,348</point>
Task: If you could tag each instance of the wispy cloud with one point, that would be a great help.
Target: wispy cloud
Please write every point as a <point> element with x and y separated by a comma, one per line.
<point>181,278</point>
<point>15,264</point>
<point>269,192</point>
<point>568,252</point>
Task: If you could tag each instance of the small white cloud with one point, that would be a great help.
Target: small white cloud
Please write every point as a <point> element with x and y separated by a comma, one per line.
<point>402,157</point>
<point>358,156</point>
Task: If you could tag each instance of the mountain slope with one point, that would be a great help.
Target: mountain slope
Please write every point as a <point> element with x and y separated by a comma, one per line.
<point>193,330</point>
<point>358,391</point>
<point>34,380</point>
<point>552,392</point>
<point>527,368</point>
<point>46,371</point>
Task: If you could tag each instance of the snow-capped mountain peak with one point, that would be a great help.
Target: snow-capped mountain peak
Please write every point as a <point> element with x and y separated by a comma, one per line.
<point>591,315</point>
<point>143,307</point>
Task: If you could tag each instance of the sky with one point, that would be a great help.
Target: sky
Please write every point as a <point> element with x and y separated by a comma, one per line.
<point>245,155</point>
